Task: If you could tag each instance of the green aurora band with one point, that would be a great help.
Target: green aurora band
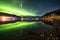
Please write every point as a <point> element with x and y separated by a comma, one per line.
<point>16,11</point>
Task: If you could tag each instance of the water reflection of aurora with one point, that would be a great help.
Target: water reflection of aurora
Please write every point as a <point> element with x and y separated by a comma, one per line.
<point>16,11</point>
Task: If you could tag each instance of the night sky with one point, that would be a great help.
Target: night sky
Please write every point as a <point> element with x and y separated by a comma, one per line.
<point>40,7</point>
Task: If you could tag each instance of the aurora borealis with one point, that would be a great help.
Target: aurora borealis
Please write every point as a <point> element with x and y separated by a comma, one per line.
<point>8,8</point>
<point>30,8</point>
<point>27,30</point>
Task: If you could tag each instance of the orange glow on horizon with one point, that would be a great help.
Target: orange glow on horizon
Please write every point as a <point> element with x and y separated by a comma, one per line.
<point>5,18</point>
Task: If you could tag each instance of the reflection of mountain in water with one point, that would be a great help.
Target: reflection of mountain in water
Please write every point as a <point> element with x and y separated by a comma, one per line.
<point>52,18</point>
